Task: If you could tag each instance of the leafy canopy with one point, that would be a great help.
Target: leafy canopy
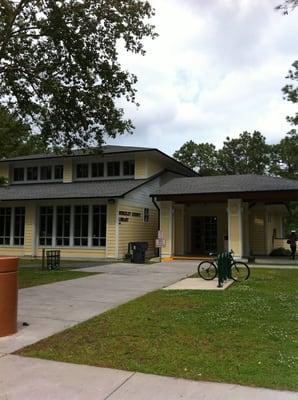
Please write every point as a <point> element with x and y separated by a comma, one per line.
<point>60,69</point>
<point>16,138</point>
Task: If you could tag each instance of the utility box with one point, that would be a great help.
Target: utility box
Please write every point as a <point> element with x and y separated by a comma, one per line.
<point>8,295</point>
<point>139,252</point>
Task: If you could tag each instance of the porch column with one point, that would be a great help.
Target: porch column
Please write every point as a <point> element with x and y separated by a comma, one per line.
<point>235,227</point>
<point>178,228</point>
<point>112,245</point>
<point>245,221</point>
<point>166,226</point>
<point>30,233</point>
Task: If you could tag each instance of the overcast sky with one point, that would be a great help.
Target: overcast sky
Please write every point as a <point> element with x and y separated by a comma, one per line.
<point>216,70</point>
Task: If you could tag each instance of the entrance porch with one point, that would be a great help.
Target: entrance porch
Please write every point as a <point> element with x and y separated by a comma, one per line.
<point>196,229</point>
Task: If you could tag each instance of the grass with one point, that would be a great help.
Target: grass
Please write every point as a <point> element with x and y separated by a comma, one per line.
<point>246,334</point>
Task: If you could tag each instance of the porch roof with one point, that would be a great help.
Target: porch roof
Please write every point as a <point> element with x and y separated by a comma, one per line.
<point>75,190</point>
<point>248,187</point>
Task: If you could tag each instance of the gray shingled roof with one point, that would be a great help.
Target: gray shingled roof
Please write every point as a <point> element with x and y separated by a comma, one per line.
<point>76,190</point>
<point>226,184</point>
<point>108,149</point>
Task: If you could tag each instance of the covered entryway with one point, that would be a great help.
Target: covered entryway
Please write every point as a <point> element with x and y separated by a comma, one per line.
<point>243,213</point>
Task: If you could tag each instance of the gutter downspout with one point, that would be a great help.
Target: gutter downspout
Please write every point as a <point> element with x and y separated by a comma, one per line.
<point>158,213</point>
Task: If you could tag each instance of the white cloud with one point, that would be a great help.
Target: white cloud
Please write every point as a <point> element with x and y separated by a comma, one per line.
<point>216,69</point>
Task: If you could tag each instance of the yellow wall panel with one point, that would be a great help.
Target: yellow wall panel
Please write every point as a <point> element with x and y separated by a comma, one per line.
<point>136,230</point>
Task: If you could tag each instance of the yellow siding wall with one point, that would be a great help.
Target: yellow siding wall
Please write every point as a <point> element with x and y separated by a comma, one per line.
<point>136,230</point>
<point>154,166</point>
<point>112,231</point>
<point>12,251</point>
<point>74,252</point>
<point>67,170</point>
<point>140,166</point>
<point>4,170</point>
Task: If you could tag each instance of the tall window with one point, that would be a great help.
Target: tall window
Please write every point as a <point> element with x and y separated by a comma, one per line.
<point>97,170</point>
<point>81,225</point>
<point>46,226</point>
<point>114,168</point>
<point>129,167</point>
<point>18,174</point>
<point>19,226</point>
<point>63,226</point>
<point>32,173</point>
<point>99,225</point>
<point>46,173</point>
<point>82,170</point>
<point>58,172</point>
<point>146,214</point>
<point>5,223</point>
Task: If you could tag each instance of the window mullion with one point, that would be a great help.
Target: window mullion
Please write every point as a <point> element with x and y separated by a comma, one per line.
<point>90,225</point>
<point>71,234</point>
<point>54,228</point>
<point>12,218</point>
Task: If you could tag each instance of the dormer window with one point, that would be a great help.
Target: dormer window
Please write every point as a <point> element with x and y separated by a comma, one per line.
<point>114,168</point>
<point>58,172</point>
<point>46,173</point>
<point>32,173</point>
<point>97,170</point>
<point>129,168</point>
<point>83,170</point>
<point>18,174</point>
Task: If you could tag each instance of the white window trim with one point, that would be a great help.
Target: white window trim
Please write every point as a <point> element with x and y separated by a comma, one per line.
<point>12,223</point>
<point>72,217</point>
<point>38,180</point>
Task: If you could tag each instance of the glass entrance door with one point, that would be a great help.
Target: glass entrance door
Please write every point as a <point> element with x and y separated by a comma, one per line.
<point>203,235</point>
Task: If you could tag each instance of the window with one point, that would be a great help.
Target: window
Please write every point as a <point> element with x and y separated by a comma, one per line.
<point>129,167</point>
<point>46,173</point>
<point>32,174</point>
<point>63,226</point>
<point>19,226</point>
<point>146,214</point>
<point>97,170</point>
<point>46,226</point>
<point>18,174</point>
<point>82,170</point>
<point>81,225</point>
<point>99,225</point>
<point>114,168</point>
<point>5,223</point>
<point>58,172</point>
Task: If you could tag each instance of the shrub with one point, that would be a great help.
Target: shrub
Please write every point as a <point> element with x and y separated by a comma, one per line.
<point>280,252</point>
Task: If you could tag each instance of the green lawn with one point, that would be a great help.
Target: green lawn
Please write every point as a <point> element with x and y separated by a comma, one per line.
<point>246,334</point>
<point>34,276</point>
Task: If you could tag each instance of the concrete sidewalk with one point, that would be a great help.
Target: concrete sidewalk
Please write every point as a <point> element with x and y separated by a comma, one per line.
<point>49,309</point>
<point>32,379</point>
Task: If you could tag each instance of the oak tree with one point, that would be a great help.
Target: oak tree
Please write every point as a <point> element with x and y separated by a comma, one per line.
<point>60,68</point>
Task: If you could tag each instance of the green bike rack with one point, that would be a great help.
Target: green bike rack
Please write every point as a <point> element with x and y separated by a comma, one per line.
<point>224,262</point>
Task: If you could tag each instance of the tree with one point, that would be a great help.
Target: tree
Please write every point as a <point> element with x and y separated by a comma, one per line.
<point>287,6</point>
<point>200,157</point>
<point>285,157</point>
<point>60,69</point>
<point>16,138</point>
<point>248,154</point>
<point>291,92</point>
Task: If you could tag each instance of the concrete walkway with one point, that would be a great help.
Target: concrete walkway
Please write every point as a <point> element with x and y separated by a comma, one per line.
<point>32,379</point>
<point>49,309</point>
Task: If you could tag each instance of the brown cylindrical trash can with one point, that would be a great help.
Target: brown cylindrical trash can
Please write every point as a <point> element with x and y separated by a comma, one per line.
<point>8,295</point>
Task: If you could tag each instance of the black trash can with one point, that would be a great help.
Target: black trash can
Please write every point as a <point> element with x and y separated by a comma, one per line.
<point>139,252</point>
